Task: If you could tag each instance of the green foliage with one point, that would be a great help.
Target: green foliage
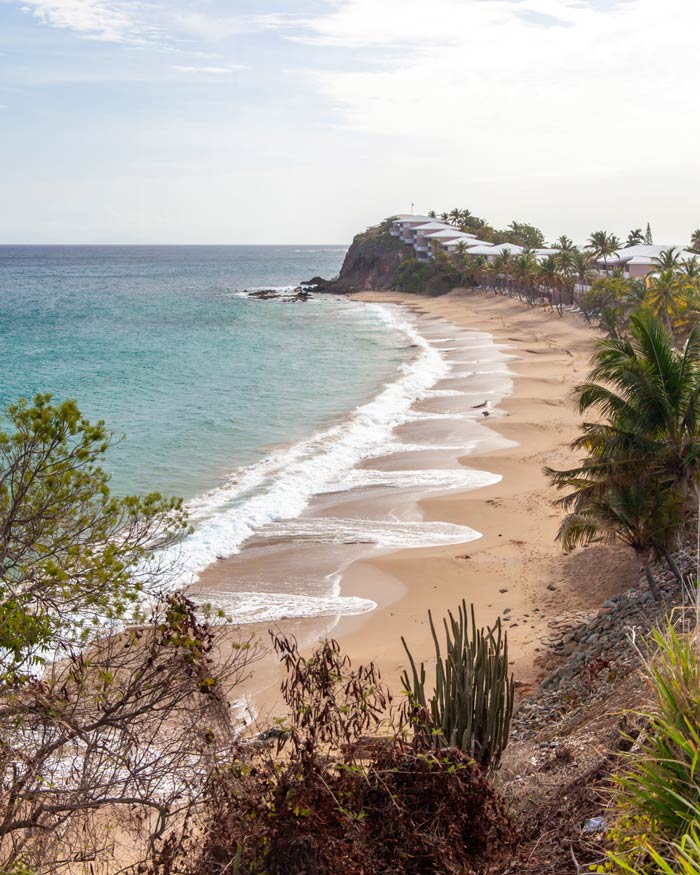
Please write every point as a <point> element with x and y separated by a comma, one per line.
<point>523,234</point>
<point>661,778</point>
<point>641,453</point>
<point>637,512</point>
<point>603,245</point>
<point>427,277</point>
<point>672,293</point>
<point>678,858</point>
<point>342,799</point>
<point>70,552</point>
<point>472,703</point>
<point>648,395</point>
<point>611,300</point>
<point>658,789</point>
<point>413,275</point>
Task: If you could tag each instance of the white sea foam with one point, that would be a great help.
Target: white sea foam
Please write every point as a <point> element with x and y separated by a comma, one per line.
<point>280,486</point>
<point>430,479</point>
<point>266,607</point>
<point>381,533</point>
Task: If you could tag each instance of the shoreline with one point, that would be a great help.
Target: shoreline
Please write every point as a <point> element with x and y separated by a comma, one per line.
<point>515,569</point>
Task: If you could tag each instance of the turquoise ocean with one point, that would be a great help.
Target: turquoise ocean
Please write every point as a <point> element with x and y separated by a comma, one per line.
<point>246,408</point>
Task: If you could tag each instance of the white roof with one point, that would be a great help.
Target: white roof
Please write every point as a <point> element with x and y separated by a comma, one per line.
<point>413,220</point>
<point>510,248</point>
<point>450,234</point>
<point>471,242</point>
<point>646,252</point>
<point>434,226</point>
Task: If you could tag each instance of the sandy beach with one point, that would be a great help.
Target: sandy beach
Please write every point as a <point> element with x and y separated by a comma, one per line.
<point>515,570</point>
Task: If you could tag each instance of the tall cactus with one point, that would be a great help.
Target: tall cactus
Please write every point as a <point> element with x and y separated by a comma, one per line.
<point>472,704</point>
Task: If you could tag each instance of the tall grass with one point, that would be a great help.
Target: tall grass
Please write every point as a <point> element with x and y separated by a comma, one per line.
<point>658,788</point>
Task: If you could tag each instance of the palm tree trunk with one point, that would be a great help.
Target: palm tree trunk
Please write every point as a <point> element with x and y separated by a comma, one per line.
<point>651,580</point>
<point>673,566</point>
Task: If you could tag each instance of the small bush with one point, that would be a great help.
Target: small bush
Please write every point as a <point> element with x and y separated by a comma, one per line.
<point>333,800</point>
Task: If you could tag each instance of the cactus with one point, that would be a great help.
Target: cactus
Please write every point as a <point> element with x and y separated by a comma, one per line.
<point>472,704</point>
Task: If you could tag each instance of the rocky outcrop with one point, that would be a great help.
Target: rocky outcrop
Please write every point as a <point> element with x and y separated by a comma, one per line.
<point>371,264</point>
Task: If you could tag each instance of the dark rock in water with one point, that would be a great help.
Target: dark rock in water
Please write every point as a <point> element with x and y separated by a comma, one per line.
<point>317,283</point>
<point>298,295</point>
<point>264,294</point>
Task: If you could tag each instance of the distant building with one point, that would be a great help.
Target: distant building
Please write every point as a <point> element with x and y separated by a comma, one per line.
<point>402,225</point>
<point>421,236</point>
<point>469,242</point>
<point>440,239</point>
<point>639,261</point>
<point>491,251</point>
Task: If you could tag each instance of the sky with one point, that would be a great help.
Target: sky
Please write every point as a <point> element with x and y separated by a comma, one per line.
<point>304,121</point>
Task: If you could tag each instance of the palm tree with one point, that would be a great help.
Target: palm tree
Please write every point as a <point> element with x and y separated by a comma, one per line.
<point>565,259</point>
<point>583,267</point>
<point>667,259</point>
<point>445,217</point>
<point>525,270</point>
<point>635,237</point>
<point>646,395</point>
<point>603,245</point>
<point>635,512</point>
<point>432,214</point>
<point>502,269</point>
<point>695,240</point>
<point>564,243</point>
<point>690,267</point>
<point>667,295</point>
<point>642,452</point>
<point>455,216</point>
<point>481,269</point>
<point>550,277</point>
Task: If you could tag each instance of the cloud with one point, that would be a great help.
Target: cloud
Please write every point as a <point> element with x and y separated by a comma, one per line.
<point>212,28</point>
<point>233,68</point>
<point>105,20</point>
<point>514,88</point>
<point>3,106</point>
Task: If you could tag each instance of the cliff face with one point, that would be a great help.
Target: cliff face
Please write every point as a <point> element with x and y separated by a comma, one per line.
<point>371,263</point>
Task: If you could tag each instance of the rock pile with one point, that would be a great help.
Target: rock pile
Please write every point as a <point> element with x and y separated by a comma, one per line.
<point>595,651</point>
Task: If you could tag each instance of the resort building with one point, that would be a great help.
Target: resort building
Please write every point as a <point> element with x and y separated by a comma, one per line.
<point>440,239</point>
<point>544,252</point>
<point>421,236</point>
<point>639,261</point>
<point>401,226</point>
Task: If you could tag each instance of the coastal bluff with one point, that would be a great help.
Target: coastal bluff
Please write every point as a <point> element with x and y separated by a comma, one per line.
<point>371,264</point>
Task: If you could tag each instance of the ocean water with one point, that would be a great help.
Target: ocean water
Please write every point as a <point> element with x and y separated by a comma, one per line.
<point>158,342</point>
<point>248,409</point>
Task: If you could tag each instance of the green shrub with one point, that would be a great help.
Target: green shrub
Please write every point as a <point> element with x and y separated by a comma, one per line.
<point>658,789</point>
<point>413,275</point>
<point>680,858</point>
